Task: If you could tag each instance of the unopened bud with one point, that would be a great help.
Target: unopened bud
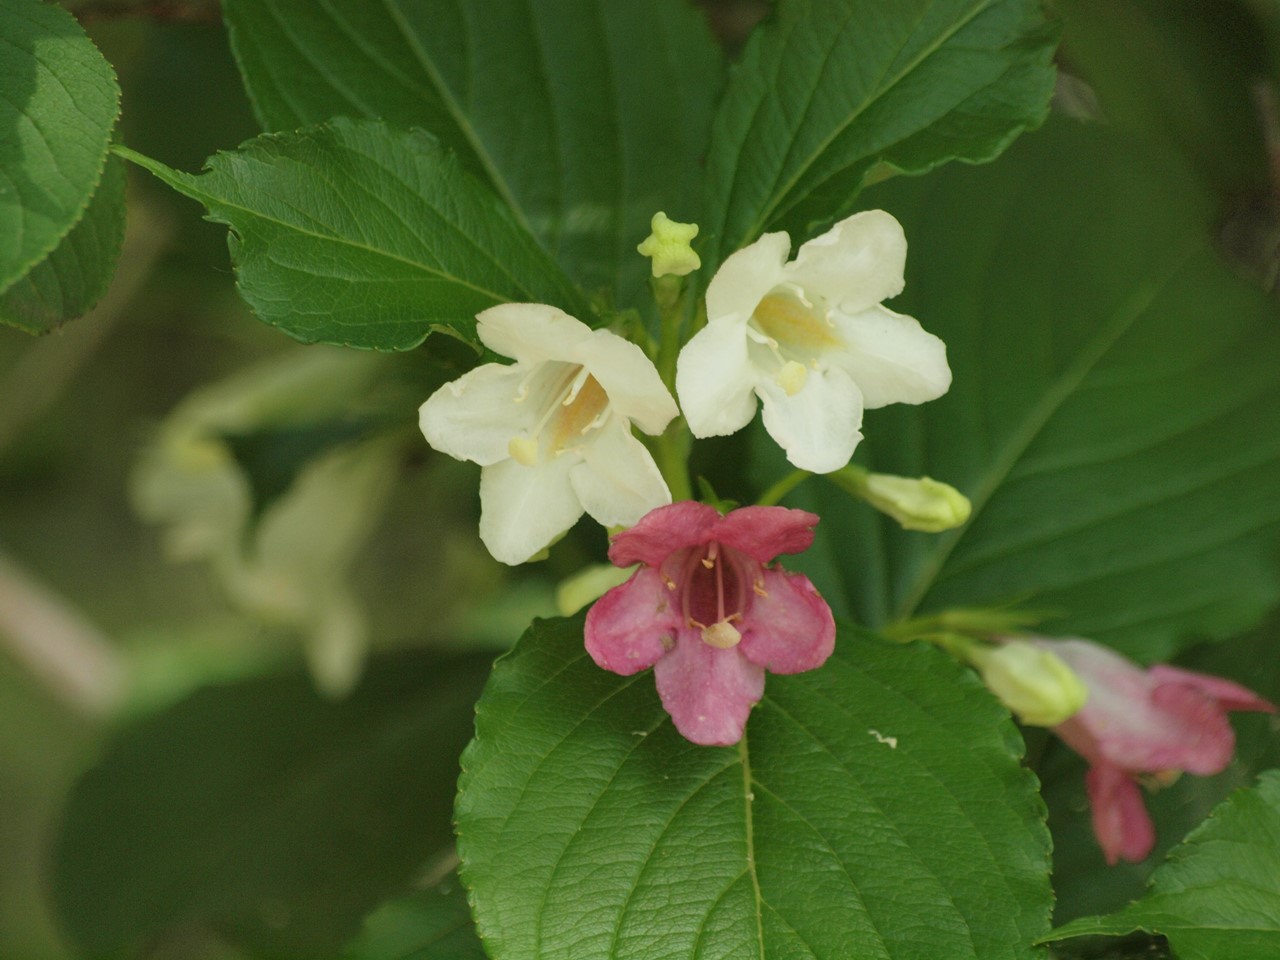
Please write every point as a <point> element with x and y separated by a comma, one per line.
<point>918,504</point>
<point>668,246</point>
<point>1035,684</point>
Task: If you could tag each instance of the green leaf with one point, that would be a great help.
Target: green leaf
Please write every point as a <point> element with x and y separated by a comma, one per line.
<point>358,234</point>
<point>71,279</point>
<point>59,105</point>
<point>586,116</point>
<point>265,813</point>
<point>1217,897</point>
<point>431,924</point>
<point>876,809</point>
<point>1114,415</point>
<point>834,87</point>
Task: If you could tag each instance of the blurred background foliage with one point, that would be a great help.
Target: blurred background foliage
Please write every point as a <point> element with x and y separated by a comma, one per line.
<point>174,695</point>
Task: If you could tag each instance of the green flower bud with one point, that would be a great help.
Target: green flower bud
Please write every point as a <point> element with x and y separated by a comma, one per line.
<point>918,504</point>
<point>668,246</point>
<point>1035,684</point>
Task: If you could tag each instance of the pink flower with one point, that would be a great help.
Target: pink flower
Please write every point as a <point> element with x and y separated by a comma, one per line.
<point>1158,722</point>
<point>707,614</point>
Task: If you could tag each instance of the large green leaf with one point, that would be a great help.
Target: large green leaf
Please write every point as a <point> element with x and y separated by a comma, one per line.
<point>1217,897</point>
<point>587,116</point>
<point>835,86</point>
<point>1115,412</point>
<point>266,813</point>
<point>59,105</point>
<point>876,808</point>
<point>362,235</point>
<point>72,278</point>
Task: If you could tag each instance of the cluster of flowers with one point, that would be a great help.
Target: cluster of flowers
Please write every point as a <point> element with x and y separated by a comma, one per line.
<point>807,337</point>
<point>810,340</point>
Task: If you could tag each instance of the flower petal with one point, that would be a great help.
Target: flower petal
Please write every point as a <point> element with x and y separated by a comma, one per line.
<point>790,628</point>
<point>474,417</point>
<point>627,626</point>
<point>818,426</point>
<point>662,532</point>
<point>629,378</point>
<point>1120,819</point>
<point>1197,736</point>
<point>708,691</point>
<point>764,532</point>
<point>891,357</point>
<point>854,265</point>
<point>530,332</point>
<point>522,509</point>
<point>1230,696</point>
<point>746,276</point>
<point>617,481</point>
<point>715,379</point>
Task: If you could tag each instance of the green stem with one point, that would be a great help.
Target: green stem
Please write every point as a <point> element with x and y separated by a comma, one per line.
<point>852,479</point>
<point>671,453</point>
<point>784,486</point>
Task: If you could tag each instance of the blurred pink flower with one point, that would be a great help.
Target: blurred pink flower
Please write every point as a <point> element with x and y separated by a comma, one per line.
<point>1160,722</point>
<point>708,615</point>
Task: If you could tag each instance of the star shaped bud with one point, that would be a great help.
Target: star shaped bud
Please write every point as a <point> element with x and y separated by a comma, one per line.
<point>810,339</point>
<point>1034,683</point>
<point>917,503</point>
<point>552,431</point>
<point>668,246</point>
<point>1143,725</point>
<point>708,614</point>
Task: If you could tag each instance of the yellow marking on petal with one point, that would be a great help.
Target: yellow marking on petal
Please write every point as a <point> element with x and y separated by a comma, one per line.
<point>787,316</point>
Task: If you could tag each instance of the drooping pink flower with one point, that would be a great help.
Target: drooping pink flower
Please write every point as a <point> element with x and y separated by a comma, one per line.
<point>1157,722</point>
<point>708,615</point>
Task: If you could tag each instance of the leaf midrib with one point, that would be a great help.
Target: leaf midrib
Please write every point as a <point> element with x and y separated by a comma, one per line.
<point>777,195</point>
<point>1039,416</point>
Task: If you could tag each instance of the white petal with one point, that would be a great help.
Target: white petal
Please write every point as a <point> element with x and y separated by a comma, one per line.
<point>892,358</point>
<point>629,378</point>
<point>474,417</point>
<point>523,509</point>
<point>747,276</point>
<point>855,264</point>
<point>618,482</point>
<point>715,379</point>
<point>530,332</point>
<point>818,427</point>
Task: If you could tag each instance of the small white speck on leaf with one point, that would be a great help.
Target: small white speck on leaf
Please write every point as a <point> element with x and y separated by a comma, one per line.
<point>881,738</point>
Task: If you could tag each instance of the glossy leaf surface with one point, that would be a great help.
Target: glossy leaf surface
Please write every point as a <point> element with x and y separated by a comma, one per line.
<point>876,808</point>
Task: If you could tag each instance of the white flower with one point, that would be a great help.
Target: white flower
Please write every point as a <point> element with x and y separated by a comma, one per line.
<point>553,430</point>
<point>811,339</point>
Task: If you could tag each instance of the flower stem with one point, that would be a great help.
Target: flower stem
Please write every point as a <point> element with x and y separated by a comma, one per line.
<point>852,479</point>
<point>784,486</point>
<point>671,453</point>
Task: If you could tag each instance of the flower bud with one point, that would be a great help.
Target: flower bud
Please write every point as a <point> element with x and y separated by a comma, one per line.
<point>668,246</point>
<point>1035,684</point>
<point>918,504</point>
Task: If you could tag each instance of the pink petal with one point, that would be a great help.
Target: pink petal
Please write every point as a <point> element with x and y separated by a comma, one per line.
<point>708,692</point>
<point>627,626</point>
<point>1200,738</point>
<point>1120,820</point>
<point>790,629</point>
<point>663,531</point>
<point>764,532</point>
<point>1230,696</point>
